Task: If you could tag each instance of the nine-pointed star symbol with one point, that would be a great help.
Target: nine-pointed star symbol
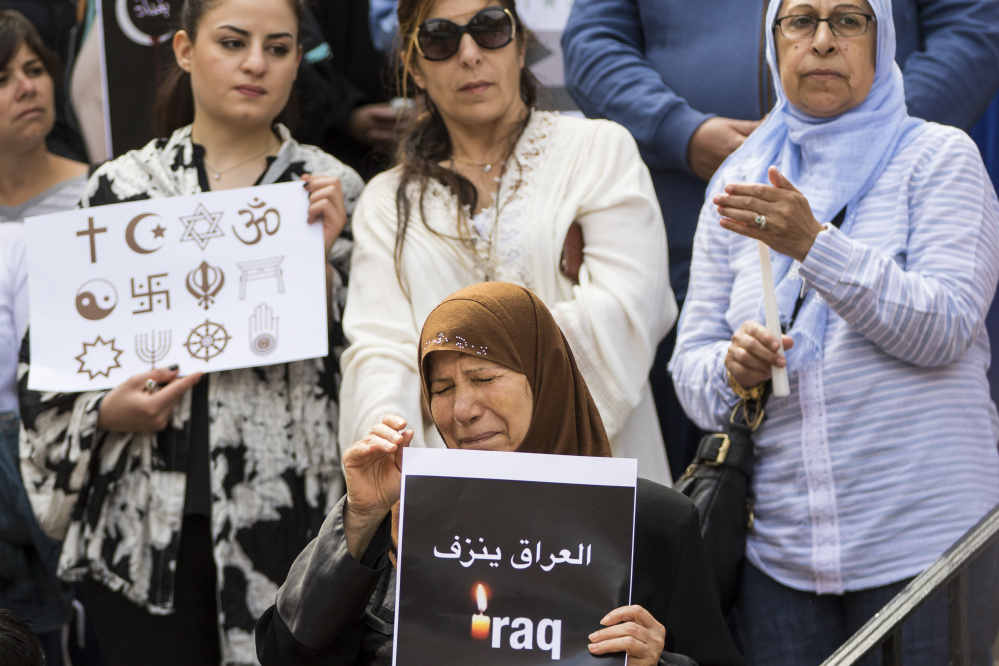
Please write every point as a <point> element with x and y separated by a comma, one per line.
<point>202,226</point>
<point>99,358</point>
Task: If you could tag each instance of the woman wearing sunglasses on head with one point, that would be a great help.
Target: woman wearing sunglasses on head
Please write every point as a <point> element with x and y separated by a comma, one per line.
<point>488,188</point>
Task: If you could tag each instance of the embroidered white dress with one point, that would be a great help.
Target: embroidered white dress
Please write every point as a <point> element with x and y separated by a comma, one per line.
<point>562,170</point>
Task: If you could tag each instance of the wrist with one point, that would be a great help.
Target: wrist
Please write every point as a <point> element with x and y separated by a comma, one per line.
<point>360,527</point>
<point>810,241</point>
<point>744,393</point>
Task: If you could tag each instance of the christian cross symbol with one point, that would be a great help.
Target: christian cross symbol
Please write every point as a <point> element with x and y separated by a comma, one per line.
<point>92,232</point>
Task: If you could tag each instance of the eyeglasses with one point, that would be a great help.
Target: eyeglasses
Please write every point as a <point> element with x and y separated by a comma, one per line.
<point>491,28</point>
<point>843,24</point>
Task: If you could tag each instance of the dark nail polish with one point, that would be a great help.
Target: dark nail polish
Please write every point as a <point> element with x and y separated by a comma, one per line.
<point>174,367</point>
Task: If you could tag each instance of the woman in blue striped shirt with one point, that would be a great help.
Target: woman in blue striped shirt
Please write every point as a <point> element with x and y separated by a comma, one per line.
<point>884,232</point>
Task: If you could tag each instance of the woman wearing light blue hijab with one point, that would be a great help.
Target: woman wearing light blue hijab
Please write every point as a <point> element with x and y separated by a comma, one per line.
<point>884,237</point>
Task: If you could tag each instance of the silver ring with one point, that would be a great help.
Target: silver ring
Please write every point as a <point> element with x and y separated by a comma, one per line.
<point>151,385</point>
<point>761,221</point>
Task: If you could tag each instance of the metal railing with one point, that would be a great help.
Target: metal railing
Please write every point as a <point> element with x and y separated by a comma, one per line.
<point>884,630</point>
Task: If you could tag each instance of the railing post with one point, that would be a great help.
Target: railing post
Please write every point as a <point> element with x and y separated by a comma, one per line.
<point>951,570</point>
<point>891,649</point>
<point>957,616</point>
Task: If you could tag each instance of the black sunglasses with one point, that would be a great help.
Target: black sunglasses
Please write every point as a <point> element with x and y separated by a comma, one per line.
<point>491,28</point>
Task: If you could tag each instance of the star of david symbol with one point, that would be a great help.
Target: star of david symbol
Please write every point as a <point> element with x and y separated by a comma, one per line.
<point>202,226</point>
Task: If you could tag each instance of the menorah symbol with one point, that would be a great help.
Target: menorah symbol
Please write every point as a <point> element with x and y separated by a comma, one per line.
<point>152,347</point>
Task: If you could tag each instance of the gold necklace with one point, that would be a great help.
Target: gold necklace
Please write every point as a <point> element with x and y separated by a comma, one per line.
<point>487,269</point>
<point>485,166</point>
<point>218,172</point>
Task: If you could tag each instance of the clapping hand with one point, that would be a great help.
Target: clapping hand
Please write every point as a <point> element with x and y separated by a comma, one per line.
<point>788,224</point>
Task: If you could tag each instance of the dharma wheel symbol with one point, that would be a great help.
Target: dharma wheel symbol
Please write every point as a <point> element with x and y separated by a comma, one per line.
<point>207,340</point>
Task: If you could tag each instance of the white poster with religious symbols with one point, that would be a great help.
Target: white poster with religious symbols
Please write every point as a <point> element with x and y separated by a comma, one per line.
<point>212,281</point>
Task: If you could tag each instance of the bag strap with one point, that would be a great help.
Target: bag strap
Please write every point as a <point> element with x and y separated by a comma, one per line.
<point>836,222</point>
<point>732,448</point>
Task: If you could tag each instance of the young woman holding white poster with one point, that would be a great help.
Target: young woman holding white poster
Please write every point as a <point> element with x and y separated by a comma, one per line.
<point>182,503</point>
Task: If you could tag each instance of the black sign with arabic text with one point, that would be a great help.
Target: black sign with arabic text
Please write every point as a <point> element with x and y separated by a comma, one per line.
<point>510,572</point>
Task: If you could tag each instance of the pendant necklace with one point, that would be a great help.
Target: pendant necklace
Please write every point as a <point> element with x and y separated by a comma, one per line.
<point>496,219</point>
<point>218,172</point>
<point>486,269</point>
<point>485,166</point>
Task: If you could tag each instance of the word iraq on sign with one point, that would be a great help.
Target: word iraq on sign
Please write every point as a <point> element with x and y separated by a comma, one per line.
<point>521,632</point>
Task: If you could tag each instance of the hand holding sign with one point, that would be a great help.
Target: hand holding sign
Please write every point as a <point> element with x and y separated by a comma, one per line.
<point>373,470</point>
<point>132,407</point>
<point>326,204</point>
<point>633,630</point>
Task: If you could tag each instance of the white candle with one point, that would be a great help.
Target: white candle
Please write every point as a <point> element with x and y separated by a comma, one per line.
<point>778,375</point>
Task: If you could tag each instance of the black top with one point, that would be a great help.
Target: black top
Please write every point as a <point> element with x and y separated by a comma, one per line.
<point>198,493</point>
<point>333,609</point>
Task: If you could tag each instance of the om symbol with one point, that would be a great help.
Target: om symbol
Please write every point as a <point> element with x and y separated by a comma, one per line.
<point>261,224</point>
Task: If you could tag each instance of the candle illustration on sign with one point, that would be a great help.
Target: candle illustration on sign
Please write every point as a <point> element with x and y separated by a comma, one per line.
<point>480,621</point>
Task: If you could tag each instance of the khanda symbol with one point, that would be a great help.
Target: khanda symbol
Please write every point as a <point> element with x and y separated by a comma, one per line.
<point>205,282</point>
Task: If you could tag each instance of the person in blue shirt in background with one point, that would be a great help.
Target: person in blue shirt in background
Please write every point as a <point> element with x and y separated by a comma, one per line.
<point>383,23</point>
<point>691,87</point>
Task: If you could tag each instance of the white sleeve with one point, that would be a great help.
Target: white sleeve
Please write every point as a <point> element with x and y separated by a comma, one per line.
<point>379,367</point>
<point>623,305</point>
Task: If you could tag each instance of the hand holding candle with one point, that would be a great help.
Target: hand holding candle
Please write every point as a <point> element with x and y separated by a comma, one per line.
<point>781,387</point>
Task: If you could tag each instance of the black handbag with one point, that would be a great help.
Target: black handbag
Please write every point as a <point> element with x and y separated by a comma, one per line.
<point>718,482</point>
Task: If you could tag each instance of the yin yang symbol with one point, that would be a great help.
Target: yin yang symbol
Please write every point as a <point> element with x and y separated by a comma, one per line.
<point>96,299</point>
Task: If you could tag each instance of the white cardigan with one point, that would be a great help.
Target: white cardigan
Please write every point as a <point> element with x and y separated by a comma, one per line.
<point>587,171</point>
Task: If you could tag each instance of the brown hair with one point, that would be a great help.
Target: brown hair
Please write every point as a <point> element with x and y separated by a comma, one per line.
<point>425,142</point>
<point>15,30</point>
<point>174,99</point>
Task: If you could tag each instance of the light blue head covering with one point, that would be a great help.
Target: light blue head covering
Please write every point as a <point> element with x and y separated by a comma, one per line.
<point>832,161</point>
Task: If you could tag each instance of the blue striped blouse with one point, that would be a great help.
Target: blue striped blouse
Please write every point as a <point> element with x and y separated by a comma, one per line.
<point>907,460</point>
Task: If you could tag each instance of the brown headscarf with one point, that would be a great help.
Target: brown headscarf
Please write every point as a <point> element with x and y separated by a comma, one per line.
<point>509,325</point>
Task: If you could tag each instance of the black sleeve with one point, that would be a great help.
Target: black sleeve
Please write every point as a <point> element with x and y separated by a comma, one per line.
<point>673,580</point>
<point>326,98</point>
<point>319,614</point>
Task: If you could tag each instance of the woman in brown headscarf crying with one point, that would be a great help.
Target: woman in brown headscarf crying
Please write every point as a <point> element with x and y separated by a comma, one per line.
<point>497,375</point>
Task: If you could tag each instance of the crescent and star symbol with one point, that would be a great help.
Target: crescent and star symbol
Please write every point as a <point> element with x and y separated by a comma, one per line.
<point>133,244</point>
<point>202,226</point>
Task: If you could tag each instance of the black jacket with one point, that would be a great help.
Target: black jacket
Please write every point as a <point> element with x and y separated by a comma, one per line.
<point>335,610</point>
